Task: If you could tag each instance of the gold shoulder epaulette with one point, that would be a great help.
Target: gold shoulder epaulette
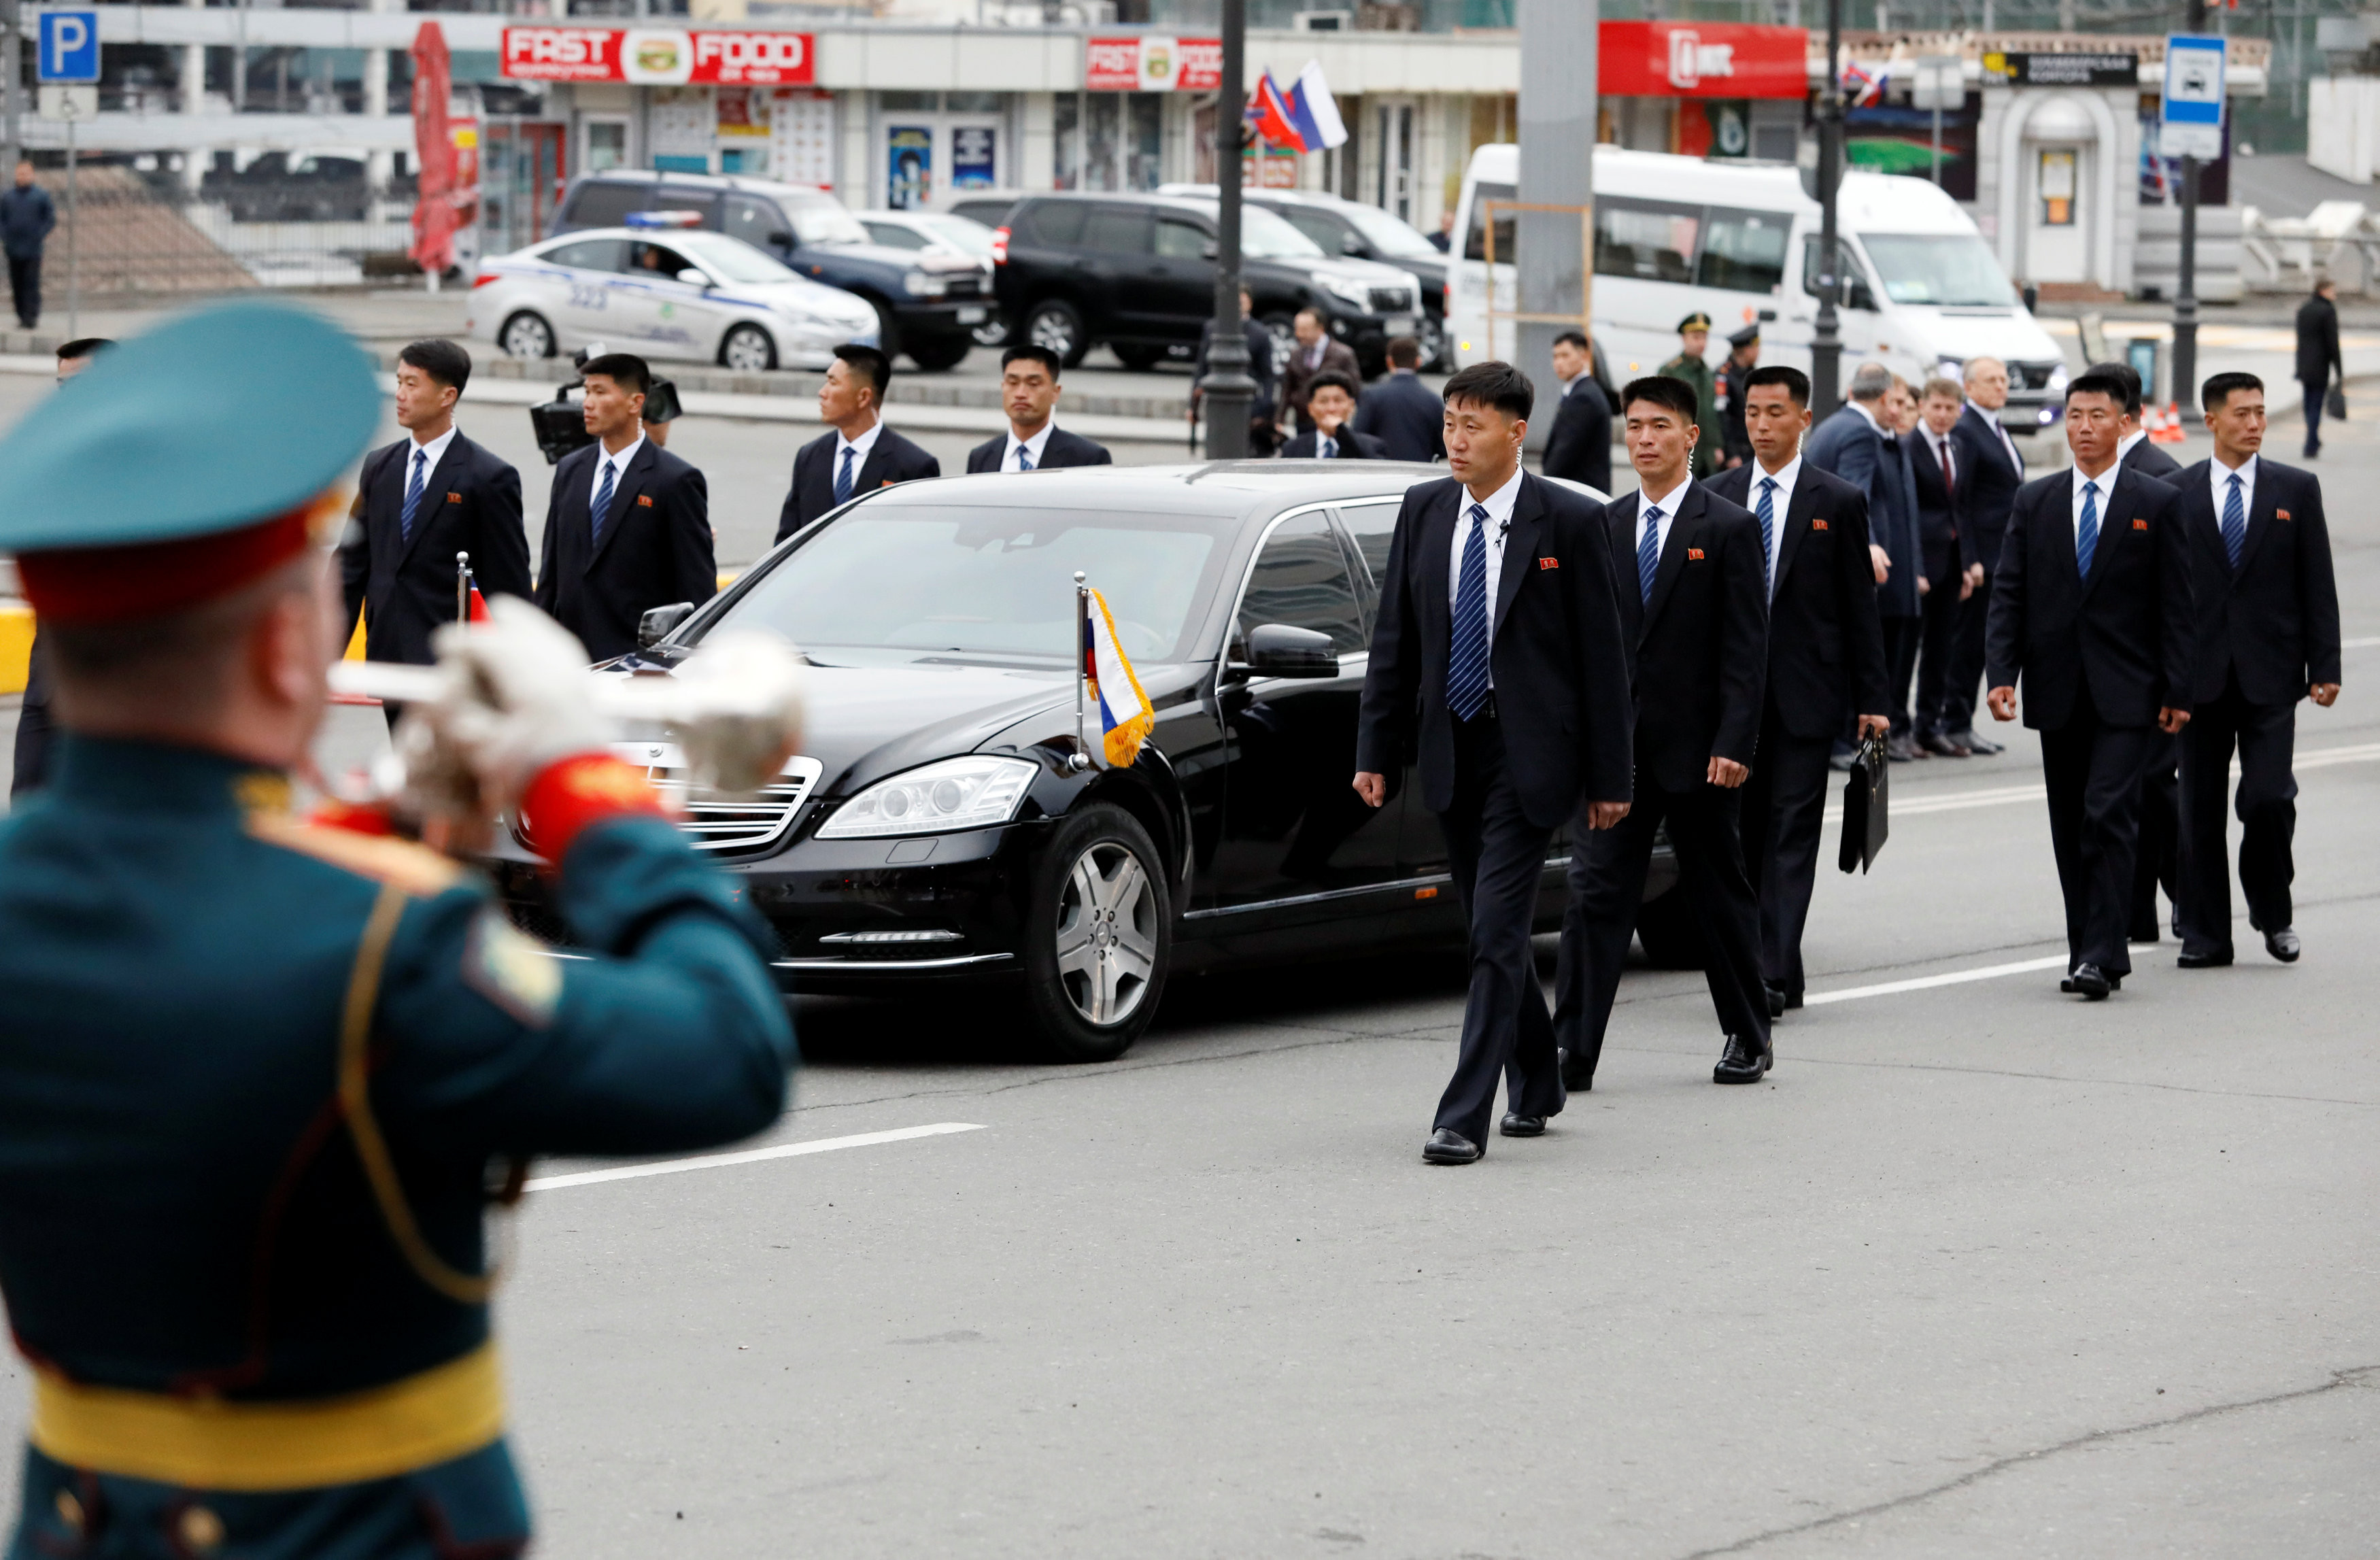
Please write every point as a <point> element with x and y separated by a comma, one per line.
<point>416,869</point>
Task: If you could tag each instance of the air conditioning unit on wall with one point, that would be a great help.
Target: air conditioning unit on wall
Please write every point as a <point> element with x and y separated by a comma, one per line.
<point>1323,21</point>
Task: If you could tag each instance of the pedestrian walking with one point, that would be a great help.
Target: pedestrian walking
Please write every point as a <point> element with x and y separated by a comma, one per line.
<point>1743,357</point>
<point>627,527</point>
<point>28,217</point>
<point>2091,605</point>
<point>1028,390</point>
<point>861,454</point>
<point>1694,338</point>
<point>2318,354</point>
<point>1694,604</point>
<point>420,502</point>
<point>1401,411</point>
<point>1946,553</point>
<point>1580,447</point>
<point>1859,445</point>
<point>1826,660</point>
<point>1994,472</point>
<point>1496,654</point>
<point>1263,431</point>
<point>35,729</point>
<point>2267,637</point>
<point>258,1070</point>
<point>1330,399</point>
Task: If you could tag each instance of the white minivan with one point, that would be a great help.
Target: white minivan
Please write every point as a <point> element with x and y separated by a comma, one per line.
<point>1739,241</point>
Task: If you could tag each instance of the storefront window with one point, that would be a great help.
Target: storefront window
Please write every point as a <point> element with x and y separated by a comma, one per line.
<point>972,102</point>
<point>1067,126</point>
<point>1102,136</point>
<point>1145,165</point>
<point>909,102</point>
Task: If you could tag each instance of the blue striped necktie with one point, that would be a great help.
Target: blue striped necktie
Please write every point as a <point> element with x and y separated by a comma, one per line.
<point>2086,533</point>
<point>1649,554</point>
<point>602,510</point>
<point>1025,458</point>
<point>413,496</point>
<point>1466,668</point>
<point>2235,525</point>
<point>1768,529</point>
<point>842,477</point>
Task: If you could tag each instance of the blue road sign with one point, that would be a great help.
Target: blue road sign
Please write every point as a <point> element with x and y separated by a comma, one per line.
<point>2191,112</point>
<point>69,47</point>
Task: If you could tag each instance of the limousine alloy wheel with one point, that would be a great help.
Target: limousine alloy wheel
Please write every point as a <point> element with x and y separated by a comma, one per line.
<point>1101,935</point>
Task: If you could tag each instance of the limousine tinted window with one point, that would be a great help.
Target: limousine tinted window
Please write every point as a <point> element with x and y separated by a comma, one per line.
<point>1300,579</point>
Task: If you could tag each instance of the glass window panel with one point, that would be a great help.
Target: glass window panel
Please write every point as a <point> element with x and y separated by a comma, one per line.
<point>1474,243</point>
<point>602,204</point>
<point>1181,241</point>
<point>1373,526</point>
<point>1744,251</point>
<point>1117,230</point>
<point>1648,240</point>
<point>1301,579</point>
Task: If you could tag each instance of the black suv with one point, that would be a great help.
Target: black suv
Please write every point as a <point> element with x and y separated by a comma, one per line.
<point>926,305</point>
<point>1137,272</point>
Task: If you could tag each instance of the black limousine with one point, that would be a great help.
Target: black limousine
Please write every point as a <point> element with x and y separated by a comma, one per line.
<point>935,826</point>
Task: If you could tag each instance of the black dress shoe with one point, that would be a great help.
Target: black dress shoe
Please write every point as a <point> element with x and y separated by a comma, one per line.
<point>1943,745</point>
<point>1447,1147</point>
<point>1577,1076</point>
<point>1743,1061</point>
<point>2088,981</point>
<point>1792,999</point>
<point>1982,747</point>
<point>1515,1125</point>
<point>1775,1000</point>
<point>1900,749</point>
<point>2283,944</point>
<point>2203,958</point>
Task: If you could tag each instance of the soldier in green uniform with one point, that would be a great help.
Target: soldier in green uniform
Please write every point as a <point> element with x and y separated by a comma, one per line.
<point>257,1074</point>
<point>1694,332</point>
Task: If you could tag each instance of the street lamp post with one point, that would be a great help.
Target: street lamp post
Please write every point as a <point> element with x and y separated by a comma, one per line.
<point>1228,391</point>
<point>2185,293</point>
<point>1826,342</point>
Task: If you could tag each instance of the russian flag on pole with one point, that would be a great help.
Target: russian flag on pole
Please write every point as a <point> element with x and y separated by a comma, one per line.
<point>1125,715</point>
<point>1315,112</point>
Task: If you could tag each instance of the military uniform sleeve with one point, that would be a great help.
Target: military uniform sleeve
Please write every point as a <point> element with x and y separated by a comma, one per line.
<point>672,1036</point>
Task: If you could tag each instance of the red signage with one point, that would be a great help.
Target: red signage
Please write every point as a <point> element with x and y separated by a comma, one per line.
<point>661,56</point>
<point>1145,62</point>
<point>1702,59</point>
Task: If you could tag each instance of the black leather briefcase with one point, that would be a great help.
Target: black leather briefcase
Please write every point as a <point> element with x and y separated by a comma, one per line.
<point>1866,816</point>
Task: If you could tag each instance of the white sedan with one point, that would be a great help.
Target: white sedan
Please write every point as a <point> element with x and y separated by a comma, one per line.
<point>676,293</point>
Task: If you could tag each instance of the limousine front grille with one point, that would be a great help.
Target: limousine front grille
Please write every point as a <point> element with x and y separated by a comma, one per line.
<point>715,824</point>
<point>1392,301</point>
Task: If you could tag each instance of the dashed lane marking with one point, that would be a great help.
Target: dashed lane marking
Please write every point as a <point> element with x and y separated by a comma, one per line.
<point>1927,983</point>
<point>750,1156</point>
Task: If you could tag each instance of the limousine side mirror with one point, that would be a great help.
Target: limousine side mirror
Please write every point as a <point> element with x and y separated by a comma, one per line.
<point>1277,650</point>
<point>1211,249</point>
<point>782,240</point>
<point>659,622</point>
<point>693,277</point>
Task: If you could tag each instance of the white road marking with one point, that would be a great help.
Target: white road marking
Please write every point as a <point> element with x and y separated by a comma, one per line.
<point>1959,801</point>
<point>1926,982</point>
<point>751,1156</point>
<point>2364,643</point>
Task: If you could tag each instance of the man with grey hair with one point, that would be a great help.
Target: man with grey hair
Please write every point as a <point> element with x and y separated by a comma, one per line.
<point>1994,472</point>
<point>1855,444</point>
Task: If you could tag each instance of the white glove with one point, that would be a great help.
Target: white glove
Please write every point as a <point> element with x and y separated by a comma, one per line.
<point>742,714</point>
<point>518,697</point>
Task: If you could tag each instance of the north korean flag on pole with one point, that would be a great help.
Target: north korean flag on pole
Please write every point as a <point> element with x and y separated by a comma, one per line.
<point>1271,118</point>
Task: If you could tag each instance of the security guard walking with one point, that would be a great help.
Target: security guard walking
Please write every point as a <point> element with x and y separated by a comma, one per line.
<point>1743,357</point>
<point>257,1073</point>
<point>1710,447</point>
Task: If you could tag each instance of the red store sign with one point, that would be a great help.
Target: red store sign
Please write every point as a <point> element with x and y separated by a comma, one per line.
<point>1149,63</point>
<point>1702,59</point>
<point>661,56</point>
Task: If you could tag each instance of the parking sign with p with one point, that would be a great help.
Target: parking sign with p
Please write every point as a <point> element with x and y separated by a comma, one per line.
<point>67,47</point>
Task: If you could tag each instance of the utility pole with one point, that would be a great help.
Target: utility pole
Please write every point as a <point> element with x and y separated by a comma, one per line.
<point>1551,255</point>
<point>2185,294</point>
<point>1229,392</point>
<point>1827,341</point>
<point>12,67</point>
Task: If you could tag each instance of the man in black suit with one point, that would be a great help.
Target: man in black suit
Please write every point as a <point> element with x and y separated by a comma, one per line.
<point>1944,554</point>
<point>2091,605</point>
<point>1994,470</point>
<point>2318,355</point>
<point>34,726</point>
<point>1580,445</point>
<point>1401,411</point>
<point>1859,445</point>
<point>1331,400</point>
<point>1313,352</point>
<point>862,454</point>
<point>1263,433</point>
<point>1694,604</point>
<point>2268,636</point>
<point>420,500</point>
<point>1028,389</point>
<point>1497,654</point>
<point>1826,658</point>
<point>627,527</point>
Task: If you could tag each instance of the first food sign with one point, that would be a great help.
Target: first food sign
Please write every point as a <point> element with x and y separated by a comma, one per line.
<point>660,56</point>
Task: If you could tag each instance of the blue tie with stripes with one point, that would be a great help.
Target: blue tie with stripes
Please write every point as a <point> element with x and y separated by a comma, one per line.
<point>1649,554</point>
<point>1768,529</point>
<point>602,510</point>
<point>2235,526</point>
<point>1467,669</point>
<point>420,469</point>
<point>2086,532</point>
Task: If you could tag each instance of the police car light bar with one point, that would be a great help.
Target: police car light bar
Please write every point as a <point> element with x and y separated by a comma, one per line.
<point>662,219</point>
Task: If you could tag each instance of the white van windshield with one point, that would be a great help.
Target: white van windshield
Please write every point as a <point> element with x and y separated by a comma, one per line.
<point>1938,268</point>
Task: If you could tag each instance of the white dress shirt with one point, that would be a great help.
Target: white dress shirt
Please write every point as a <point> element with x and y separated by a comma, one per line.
<point>1869,412</point>
<point>436,450</point>
<point>1667,503</point>
<point>865,442</point>
<point>619,468</point>
<point>1783,496</point>
<point>1573,381</point>
<point>2106,482</point>
<point>1498,505</point>
<point>2218,476</point>
<point>1008,462</point>
<point>1943,453</point>
<point>2008,446</point>
<point>2124,446</point>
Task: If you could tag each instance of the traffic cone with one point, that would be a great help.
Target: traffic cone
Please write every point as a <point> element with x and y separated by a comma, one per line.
<point>2169,431</point>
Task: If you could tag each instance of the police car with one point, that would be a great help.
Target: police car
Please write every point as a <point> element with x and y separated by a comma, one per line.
<point>661,288</point>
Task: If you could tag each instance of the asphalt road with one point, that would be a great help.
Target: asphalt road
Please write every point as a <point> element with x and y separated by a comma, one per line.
<point>1981,1270</point>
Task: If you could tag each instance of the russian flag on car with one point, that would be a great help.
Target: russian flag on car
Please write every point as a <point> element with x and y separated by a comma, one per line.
<point>1125,715</point>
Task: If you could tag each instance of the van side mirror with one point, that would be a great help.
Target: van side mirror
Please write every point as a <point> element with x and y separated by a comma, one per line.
<point>1277,650</point>
<point>659,621</point>
<point>693,277</point>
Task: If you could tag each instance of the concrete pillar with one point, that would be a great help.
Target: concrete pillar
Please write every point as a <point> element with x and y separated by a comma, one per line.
<point>1556,140</point>
<point>379,166</point>
<point>1037,143</point>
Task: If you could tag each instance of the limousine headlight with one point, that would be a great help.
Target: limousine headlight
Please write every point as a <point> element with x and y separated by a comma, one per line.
<point>2057,375</point>
<point>969,793</point>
